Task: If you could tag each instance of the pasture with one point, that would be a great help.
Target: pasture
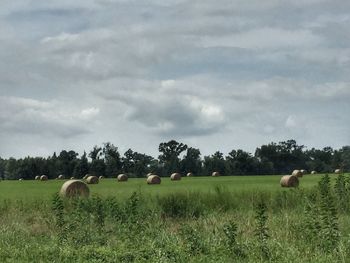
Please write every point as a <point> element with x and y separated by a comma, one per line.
<point>197,219</point>
<point>31,189</point>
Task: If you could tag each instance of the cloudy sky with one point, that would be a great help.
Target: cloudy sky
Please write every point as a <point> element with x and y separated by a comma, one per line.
<point>217,75</point>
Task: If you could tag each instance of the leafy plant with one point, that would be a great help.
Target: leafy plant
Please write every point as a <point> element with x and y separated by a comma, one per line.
<point>230,230</point>
<point>262,230</point>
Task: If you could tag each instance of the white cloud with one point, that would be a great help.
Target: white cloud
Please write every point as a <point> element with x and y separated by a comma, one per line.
<point>90,113</point>
<point>63,37</point>
<point>264,38</point>
<point>291,122</point>
<point>49,118</point>
<point>219,76</point>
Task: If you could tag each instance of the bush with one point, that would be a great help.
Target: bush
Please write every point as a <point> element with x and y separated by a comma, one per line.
<point>180,205</point>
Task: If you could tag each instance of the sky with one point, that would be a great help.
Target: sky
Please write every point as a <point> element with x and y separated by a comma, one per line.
<point>216,75</point>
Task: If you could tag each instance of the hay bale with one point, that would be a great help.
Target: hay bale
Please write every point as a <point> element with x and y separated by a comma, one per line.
<point>215,174</point>
<point>92,180</point>
<point>60,177</point>
<point>37,178</point>
<point>74,188</point>
<point>72,178</point>
<point>313,172</point>
<point>86,176</point>
<point>189,174</point>
<point>44,178</point>
<point>149,174</point>
<point>297,173</point>
<point>153,179</point>
<point>303,171</point>
<point>289,181</point>
<point>122,178</point>
<point>338,171</point>
<point>175,177</point>
<point>101,177</point>
<point>20,179</point>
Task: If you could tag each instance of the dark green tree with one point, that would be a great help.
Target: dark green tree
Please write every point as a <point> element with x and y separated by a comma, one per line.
<point>66,162</point>
<point>192,162</point>
<point>82,167</point>
<point>241,163</point>
<point>112,159</point>
<point>97,166</point>
<point>214,163</point>
<point>169,157</point>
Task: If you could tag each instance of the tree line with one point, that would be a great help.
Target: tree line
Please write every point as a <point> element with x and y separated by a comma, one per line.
<point>106,160</point>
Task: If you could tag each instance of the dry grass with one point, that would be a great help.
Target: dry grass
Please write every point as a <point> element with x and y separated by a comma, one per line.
<point>122,178</point>
<point>74,188</point>
<point>215,174</point>
<point>297,173</point>
<point>153,179</point>
<point>289,181</point>
<point>92,180</point>
<point>175,177</point>
<point>44,178</point>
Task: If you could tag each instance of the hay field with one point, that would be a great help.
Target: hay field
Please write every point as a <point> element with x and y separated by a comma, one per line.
<point>197,219</point>
<point>31,189</point>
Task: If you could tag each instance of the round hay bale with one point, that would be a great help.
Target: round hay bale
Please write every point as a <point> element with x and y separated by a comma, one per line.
<point>338,171</point>
<point>189,174</point>
<point>153,179</point>
<point>20,179</point>
<point>72,178</point>
<point>44,178</point>
<point>92,180</point>
<point>149,174</point>
<point>74,188</point>
<point>313,172</point>
<point>289,181</point>
<point>175,177</point>
<point>101,177</point>
<point>60,177</point>
<point>303,172</point>
<point>86,176</point>
<point>215,174</point>
<point>37,178</point>
<point>297,173</point>
<point>122,178</point>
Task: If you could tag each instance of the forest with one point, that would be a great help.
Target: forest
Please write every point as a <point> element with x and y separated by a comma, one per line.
<point>106,160</point>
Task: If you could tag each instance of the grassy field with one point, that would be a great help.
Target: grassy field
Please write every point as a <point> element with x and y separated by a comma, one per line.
<point>198,219</point>
<point>31,190</point>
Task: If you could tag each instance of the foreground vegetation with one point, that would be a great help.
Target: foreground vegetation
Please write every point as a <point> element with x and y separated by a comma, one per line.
<point>179,222</point>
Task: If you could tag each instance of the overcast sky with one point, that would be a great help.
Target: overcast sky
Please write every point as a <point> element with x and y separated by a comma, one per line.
<point>217,75</point>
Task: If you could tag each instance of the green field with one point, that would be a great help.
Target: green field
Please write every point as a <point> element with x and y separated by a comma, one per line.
<point>30,190</point>
<point>197,219</point>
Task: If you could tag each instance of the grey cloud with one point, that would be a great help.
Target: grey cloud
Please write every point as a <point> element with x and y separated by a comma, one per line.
<point>234,74</point>
<point>28,116</point>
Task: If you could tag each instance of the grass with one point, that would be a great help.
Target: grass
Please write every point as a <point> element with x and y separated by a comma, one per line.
<point>32,190</point>
<point>198,219</point>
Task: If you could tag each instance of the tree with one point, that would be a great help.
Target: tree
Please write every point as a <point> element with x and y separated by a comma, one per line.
<point>214,163</point>
<point>66,162</point>
<point>241,163</point>
<point>53,165</point>
<point>320,160</point>
<point>112,159</point>
<point>282,157</point>
<point>170,155</point>
<point>345,158</point>
<point>138,164</point>
<point>191,162</point>
<point>97,166</point>
<point>2,168</point>
<point>82,167</point>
